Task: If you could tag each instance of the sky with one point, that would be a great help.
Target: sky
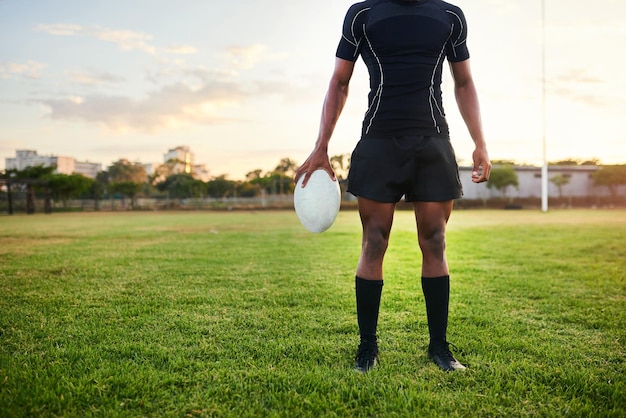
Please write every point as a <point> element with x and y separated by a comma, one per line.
<point>242,83</point>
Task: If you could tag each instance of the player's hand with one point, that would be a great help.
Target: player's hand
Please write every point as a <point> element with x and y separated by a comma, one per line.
<point>318,159</point>
<point>482,165</point>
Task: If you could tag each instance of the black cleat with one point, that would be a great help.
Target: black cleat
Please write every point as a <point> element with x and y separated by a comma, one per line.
<point>367,356</point>
<point>442,356</point>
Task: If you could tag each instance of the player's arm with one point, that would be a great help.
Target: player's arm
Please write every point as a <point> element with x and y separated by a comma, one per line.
<point>467,100</point>
<point>334,102</point>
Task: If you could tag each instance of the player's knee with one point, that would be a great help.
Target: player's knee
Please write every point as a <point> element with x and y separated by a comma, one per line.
<point>434,242</point>
<point>375,243</point>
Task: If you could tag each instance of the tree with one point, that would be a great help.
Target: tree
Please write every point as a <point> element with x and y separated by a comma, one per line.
<point>127,178</point>
<point>125,171</point>
<point>611,176</point>
<point>495,163</point>
<point>501,178</point>
<point>284,171</point>
<point>99,187</point>
<point>593,161</point>
<point>35,172</point>
<point>253,175</point>
<point>286,166</point>
<point>182,186</point>
<point>567,161</point>
<point>247,189</point>
<point>284,183</point>
<point>220,186</point>
<point>341,165</point>
<point>64,187</point>
<point>559,181</point>
<point>30,178</point>
<point>256,183</point>
<point>168,168</point>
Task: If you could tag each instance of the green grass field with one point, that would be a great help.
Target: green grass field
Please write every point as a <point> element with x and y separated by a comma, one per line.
<point>247,314</point>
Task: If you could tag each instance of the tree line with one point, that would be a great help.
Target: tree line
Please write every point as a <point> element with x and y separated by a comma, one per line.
<point>503,175</point>
<point>125,179</point>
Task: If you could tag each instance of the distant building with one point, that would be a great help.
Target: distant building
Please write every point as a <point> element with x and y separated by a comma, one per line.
<point>87,169</point>
<point>151,168</point>
<point>179,160</point>
<point>182,160</point>
<point>64,165</point>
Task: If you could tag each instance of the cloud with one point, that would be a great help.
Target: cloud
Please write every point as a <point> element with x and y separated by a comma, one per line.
<point>184,95</point>
<point>581,85</point>
<point>126,40</point>
<point>92,78</point>
<point>580,75</point>
<point>291,92</point>
<point>208,74</point>
<point>30,69</point>
<point>170,107</point>
<point>61,29</point>
<point>181,49</point>
<point>192,76</point>
<point>246,57</point>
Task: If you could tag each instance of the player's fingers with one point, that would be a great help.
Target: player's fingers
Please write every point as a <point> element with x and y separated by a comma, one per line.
<point>297,176</point>
<point>486,172</point>
<point>306,179</point>
<point>301,171</point>
<point>476,172</point>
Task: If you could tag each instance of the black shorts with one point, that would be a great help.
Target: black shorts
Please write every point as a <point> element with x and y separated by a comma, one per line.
<point>420,168</point>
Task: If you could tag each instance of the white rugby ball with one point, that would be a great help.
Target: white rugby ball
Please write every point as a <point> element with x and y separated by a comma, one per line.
<point>317,204</point>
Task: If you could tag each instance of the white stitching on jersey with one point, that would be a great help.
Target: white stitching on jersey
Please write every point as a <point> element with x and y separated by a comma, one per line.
<point>431,89</point>
<point>354,42</point>
<point>379,91</point>
<point>458,39</point>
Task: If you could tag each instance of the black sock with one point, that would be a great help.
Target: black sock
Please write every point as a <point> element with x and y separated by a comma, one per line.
<point>367,305</point>
<point>437,296</point>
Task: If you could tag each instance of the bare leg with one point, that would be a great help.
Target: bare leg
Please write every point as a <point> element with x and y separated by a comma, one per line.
<point>432,218</point>
<point>376,219</point>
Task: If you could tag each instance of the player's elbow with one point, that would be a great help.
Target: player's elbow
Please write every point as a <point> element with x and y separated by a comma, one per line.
<point>464,85</point>
<point>339,86</point>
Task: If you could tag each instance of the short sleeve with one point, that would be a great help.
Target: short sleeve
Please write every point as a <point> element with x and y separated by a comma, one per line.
<point>352,32</point>
<point>456,49</point>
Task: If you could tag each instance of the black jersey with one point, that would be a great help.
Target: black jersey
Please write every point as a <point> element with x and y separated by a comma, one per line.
<point>404,45</point>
